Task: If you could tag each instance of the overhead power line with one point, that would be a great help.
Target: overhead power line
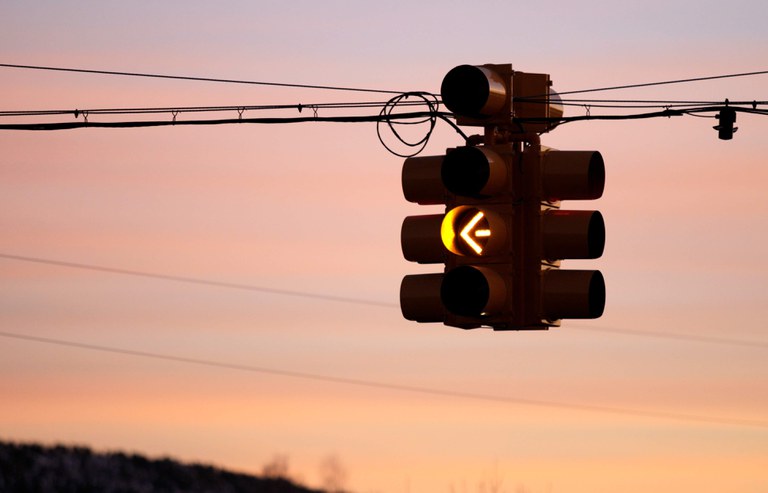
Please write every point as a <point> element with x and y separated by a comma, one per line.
<point>387,115</point>
<point>353,300</point>
<point>198,79</point>
<point>195,280</point>
<point>203,109</point>
<point>672,336</point>
<point>393,386</point>
<point>356,89</point>
<point>383,117</point>
<point>665,82</point>
<point>645,103</point>
<point>224,121</point>
<point>434,100</point>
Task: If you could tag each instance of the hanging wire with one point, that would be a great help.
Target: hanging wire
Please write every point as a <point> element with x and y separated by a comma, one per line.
<point>198,79</point>
<point>425,98</point>
<point>388,115</point>
<point>200,109</point>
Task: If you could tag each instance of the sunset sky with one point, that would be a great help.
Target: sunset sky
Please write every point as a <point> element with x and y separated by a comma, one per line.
<point>668,391</point>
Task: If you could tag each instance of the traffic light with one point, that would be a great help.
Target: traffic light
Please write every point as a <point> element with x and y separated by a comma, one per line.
<point>725,128</point>
<point>503,234</point>
<point>492,95</point>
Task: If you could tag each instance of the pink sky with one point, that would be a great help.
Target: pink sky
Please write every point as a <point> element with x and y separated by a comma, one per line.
<point>317,208</point>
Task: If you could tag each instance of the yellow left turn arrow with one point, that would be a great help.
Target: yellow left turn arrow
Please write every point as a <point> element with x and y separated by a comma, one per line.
<point>469,231</point>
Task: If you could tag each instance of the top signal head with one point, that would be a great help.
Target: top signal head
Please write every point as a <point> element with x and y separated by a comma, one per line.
<point>473,91</point>
<point>493,95</point>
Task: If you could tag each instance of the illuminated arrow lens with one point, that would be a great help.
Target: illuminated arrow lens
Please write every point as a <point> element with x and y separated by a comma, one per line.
<point>470,231</point>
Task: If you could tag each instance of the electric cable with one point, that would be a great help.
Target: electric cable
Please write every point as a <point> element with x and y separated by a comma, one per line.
<point>198,79</point>
<point>200,109</point>
<point>393,386</point>
<point>341,88</point>
<point>356,301</point>
<point>619,104</point>
<point>672,336</point>
<point>224,121</point>
<point>666,82</point>
<point>198,281</point>
<point>385,115</point>
<point>666,113</point>
<point>432,103</point>
<point>595,103</point>
<point>670,108</point>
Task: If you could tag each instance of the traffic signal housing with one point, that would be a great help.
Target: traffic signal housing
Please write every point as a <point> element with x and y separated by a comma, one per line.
<point>503,234</point>
<point>725,128</point>
<point>493,95</point>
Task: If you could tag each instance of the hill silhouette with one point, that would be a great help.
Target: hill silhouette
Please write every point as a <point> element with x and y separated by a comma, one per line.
<point>29,468</point>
